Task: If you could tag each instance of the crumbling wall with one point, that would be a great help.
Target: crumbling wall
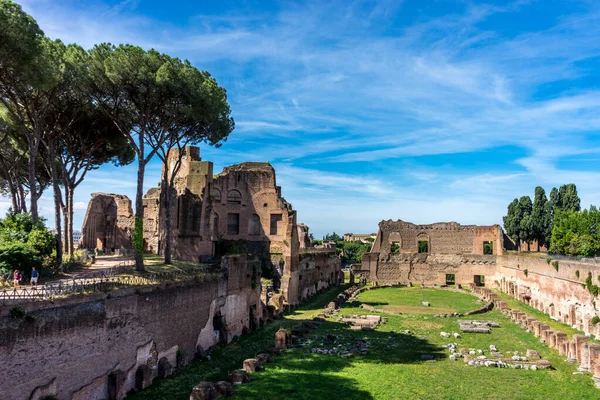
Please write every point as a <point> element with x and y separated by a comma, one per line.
<point>108,223</point>
<point>555,287</point>
<point>101,344</point>
<point>315,271</point>
<point>442,238</point>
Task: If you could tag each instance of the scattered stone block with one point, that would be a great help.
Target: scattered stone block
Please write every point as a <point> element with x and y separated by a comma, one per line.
<point>532,354</point>
<point>252,365</point>
<point>204,391</point>
<point>239,376</point>
<point>283,339</point>
<point>224,389</point>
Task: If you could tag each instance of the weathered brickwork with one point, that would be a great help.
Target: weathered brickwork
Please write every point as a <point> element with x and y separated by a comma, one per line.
<point>455,256</point>
<point>100,346</point>
<point>241,208</point>
<point>108,223</point>
<point>442,238</point>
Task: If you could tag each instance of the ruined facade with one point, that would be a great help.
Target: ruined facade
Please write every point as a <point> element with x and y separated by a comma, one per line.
<point>450,253</point>
<point>438,253</point>
<point>238,211</point>
<point>108,223</point>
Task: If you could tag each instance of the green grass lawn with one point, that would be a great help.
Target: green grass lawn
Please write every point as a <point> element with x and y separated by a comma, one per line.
<point>409,300</point>
<point>393,368</point>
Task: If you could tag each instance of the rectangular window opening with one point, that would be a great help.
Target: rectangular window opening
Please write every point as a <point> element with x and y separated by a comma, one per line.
<point>488,247</point>
<point>275,218</point>
<point>233,224</point>
<point>423,246</point>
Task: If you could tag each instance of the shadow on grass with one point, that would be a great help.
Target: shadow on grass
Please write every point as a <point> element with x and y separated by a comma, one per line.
<point>298,373</point>
<point>375,303</point>
<point>303,373</point>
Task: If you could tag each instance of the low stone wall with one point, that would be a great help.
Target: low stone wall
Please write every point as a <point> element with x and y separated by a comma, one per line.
<point>559,293</point>
<point>316,272</point>
<point>555,287</point>
<point>102,346</point>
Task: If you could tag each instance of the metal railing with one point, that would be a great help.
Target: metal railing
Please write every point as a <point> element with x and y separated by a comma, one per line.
<point>104,281</point>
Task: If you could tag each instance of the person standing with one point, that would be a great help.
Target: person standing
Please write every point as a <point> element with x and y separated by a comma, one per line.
<point>16,278</point>
<point>34,276</point>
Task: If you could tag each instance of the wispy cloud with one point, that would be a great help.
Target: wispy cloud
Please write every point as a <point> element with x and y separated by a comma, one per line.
<point>338,94</point>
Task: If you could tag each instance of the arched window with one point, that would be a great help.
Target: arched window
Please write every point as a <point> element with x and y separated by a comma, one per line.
<point>216,195</point>
<point>234,197</point>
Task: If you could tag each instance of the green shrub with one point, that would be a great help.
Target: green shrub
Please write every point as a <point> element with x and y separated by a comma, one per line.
<point>555,265</point>
<point>16,313</point>
<point>577,274</point>
<point>526,272</point>
<point>18,256</point>
<point>548,259</point>
<point>595,320</point>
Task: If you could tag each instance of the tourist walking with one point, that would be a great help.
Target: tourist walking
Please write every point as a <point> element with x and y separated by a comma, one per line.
<point>16,278</point>
<point>34,276</point>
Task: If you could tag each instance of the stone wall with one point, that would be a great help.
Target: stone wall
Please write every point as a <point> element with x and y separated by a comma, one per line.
<point>555,287</point>
<point>315,272</point>
<point>108,223</point>
<point>442,238</point>
<point>560,294</point>
<point>102,346</point>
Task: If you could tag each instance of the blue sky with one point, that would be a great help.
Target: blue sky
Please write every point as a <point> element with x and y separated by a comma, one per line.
<point>420,110</point>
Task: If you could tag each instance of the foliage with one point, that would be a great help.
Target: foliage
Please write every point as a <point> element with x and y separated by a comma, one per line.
<point>577,274</point>
<point>423,246</point>
<point>518,222</point>
<point>595,320</point>
<point>548,260</point>
<point>488,248</point>
<point>526,272</point>
<point>395,248</point>
<point>576,233</point>
<point>23,243</point>
<point>540,218</point>
<point>16,313</point>
<point>334,237</point>
<point>18,256</point>
<point>555,265</point>
<point>593,289</point>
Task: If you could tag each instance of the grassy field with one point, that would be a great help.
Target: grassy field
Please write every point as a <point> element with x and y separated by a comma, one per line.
<point>393,368</point>
<point>230,357</point>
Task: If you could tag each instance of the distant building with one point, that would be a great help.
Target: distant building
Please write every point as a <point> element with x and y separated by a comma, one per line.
<point>362,237</point>
<point>76,235</point>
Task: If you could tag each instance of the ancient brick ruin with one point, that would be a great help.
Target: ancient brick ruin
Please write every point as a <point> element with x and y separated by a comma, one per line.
<point>238,211</point>
<point>450,253</point>
<point>108,223</point>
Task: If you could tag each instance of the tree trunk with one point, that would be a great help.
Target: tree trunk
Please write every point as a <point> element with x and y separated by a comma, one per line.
<point>22,197</point>
<point>57,202</point>
<point>11,186</point>
<point>168,227</point>
<point>138,235</point>
<point>70,244</point>
<point>528,247</point>
<point>33,197</point>
<point>14,199</point>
